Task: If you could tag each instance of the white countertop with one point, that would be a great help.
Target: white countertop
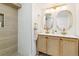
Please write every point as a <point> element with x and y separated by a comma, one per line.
<point>69,36</point>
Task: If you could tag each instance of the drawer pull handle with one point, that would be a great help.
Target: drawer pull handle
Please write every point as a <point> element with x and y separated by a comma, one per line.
<point>46,37</point>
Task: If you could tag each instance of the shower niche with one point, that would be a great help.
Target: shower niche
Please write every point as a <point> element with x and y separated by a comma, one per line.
<point>1,20</point>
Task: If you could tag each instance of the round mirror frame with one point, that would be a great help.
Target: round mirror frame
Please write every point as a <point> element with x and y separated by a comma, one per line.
<point>48,22</point>
<point>64,29</point>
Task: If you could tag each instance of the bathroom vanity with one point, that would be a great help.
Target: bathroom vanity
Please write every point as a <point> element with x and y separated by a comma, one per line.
<point>58,45</point>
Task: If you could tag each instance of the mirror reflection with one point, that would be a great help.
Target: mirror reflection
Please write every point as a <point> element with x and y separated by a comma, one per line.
<point>48,22</point>
<point>64,20</point>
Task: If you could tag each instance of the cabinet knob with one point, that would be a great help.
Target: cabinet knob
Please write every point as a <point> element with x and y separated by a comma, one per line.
<point>60,39</point>
<point>46,37</point>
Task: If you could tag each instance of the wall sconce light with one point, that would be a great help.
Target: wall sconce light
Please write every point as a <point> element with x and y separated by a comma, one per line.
<point>54,6</point>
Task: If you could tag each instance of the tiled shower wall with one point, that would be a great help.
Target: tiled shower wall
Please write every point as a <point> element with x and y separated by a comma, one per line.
<point>9,33</point>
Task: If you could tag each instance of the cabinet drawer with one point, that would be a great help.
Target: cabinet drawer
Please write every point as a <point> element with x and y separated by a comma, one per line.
<point>69,39</point>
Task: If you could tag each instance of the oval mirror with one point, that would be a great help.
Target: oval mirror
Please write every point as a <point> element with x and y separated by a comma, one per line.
<point>64,20</point>
<point>48,21</point>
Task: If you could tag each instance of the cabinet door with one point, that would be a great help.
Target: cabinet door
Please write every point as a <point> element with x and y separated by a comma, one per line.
<point>69,47</point>
<point>41,44</point>
<point>53,46</point>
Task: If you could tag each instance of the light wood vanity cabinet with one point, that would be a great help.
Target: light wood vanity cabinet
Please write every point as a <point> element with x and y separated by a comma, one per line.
<point>41,44</point>
<point>53,46</point>
<point>57,46</point>
<point>69,47</point>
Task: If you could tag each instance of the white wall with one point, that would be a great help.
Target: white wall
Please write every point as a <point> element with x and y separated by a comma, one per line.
<point>77,19</point>
<point>25,30</point>
<point>26,41</point>
<point>35,19</point>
